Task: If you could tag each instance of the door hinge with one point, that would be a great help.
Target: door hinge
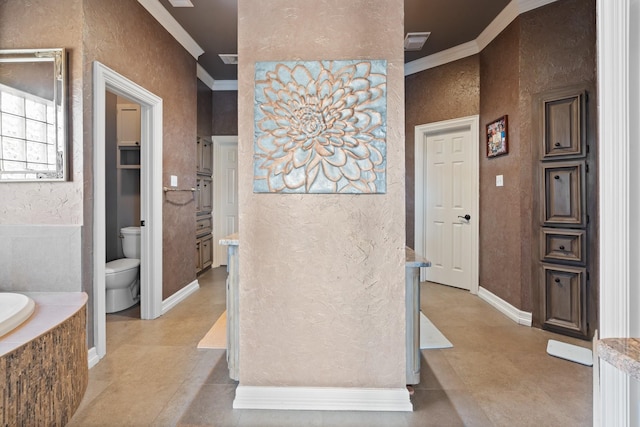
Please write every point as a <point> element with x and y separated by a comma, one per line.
<point>587,276</point>
<point>142,223</point>
<point>587,219</point>
<point>588,148</point>
<point>586,165</point>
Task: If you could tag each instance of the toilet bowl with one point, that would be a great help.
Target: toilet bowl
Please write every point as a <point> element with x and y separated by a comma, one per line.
<point>122,279</point>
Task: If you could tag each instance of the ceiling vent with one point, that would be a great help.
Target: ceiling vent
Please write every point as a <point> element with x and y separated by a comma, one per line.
<point>181,3</point>
<point>415,41</point>
<point>229,58</point>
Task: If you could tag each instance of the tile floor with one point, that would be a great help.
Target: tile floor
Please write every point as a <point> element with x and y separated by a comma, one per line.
<point>497,373</point>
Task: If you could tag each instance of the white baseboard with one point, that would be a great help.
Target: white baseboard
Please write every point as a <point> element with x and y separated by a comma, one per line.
<point>179,296</point>
<point>323,398</point>
<point>518,316</point>
<point>93,357</point>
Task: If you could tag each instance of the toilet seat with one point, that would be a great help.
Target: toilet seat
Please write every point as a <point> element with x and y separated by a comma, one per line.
<point>122,264</point>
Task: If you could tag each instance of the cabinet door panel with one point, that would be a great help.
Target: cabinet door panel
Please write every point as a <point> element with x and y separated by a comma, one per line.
<point>198,256</point>
<point>563,297</point>
<point>563,194</point>
<point>206,251</point>
<point>557,245</point>
<point>206,194</point>
<point>198,195</point>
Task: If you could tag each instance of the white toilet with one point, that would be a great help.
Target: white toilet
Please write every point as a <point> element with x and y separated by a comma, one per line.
<point>122,275</point>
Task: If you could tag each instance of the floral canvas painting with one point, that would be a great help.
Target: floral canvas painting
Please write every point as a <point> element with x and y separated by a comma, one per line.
<point>320,127</point>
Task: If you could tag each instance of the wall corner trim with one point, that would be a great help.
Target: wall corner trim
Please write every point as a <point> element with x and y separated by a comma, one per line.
<point>179,296</point>
<point>323,398</point>
<point>169,23</point>
<point>92,357</point>
<point>513,313</point>
<point>502,21</point>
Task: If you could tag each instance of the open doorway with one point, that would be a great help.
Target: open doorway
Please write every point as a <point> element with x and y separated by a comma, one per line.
<point>106,80</point>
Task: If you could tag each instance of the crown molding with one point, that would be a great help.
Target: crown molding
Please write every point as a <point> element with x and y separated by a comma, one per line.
<point>441,58</point>
<point>500,22</point>
<point>204,76</point>
<point>155,8</point>
<point>225,85</point>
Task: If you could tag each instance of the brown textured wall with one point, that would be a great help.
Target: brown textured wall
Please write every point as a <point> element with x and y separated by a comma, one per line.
<point>225,113</point>
<point>557,48</point>
<point>123,36</point>
<point>442,93</point>
<point>500,238</point>
<point>548,47</point>
<point>205,107</point>
<point>322,275</point>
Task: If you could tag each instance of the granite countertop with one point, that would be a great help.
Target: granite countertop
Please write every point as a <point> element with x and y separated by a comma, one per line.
<point>415,260</point>
<point>230,240</point>
<point>623,353</point>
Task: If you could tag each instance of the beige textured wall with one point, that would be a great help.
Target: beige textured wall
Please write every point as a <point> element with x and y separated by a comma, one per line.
<point>322,276</point>
<point>47,24</point>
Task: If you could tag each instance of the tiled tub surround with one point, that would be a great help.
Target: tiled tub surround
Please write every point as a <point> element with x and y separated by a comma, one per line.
<point>36,258</point>
<point>43,363</point>
<point>623,353</point>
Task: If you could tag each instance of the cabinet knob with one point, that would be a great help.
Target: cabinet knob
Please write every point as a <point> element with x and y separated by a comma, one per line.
<point>557,280</point>
<point>557,144</point>
<point>556,177</point>
<point>562,247</point>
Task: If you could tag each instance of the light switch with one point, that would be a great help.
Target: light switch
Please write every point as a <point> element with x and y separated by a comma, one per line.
<point>499,181</point>
<point>174,181</point>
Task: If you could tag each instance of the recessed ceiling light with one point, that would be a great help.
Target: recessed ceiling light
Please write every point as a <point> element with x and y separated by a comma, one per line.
<point>415,41</point>
<point>181,3</point>
<point>229,58</point>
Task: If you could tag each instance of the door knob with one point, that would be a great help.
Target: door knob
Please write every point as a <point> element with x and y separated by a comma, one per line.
<point>467,217</point>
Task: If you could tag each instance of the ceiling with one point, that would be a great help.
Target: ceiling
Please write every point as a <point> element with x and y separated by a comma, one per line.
<point>213,25</point>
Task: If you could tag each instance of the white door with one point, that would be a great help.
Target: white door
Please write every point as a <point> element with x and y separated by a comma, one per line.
<point>449,201</point>
<point>225,158</point>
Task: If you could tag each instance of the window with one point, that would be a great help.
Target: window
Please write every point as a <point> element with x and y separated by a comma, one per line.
<point>27,132</point>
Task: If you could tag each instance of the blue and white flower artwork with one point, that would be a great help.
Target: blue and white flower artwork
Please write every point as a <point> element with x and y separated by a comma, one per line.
<point>320,127</point>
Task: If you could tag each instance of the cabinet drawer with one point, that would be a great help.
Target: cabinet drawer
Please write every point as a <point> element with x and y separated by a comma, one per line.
<point>563,196</point>
<point>563,299</point>
<point>564,135</point>
<point>203,225</point>
<point>563,245</point>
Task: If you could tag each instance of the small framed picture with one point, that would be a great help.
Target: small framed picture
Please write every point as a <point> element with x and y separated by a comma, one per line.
<point>497,137</point>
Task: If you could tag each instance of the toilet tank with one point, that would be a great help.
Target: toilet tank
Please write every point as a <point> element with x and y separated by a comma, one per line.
<point>131,242</point>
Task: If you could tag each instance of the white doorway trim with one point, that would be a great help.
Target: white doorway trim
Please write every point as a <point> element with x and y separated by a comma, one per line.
<point>472,123</point>
<point>615,396</point>
<point>150,197</point>
<point>219,252</point>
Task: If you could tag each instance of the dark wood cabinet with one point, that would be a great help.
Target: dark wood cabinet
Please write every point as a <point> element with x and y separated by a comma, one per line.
<point>565,262</point>
<point>564,294</point>
<point>204,204</point>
